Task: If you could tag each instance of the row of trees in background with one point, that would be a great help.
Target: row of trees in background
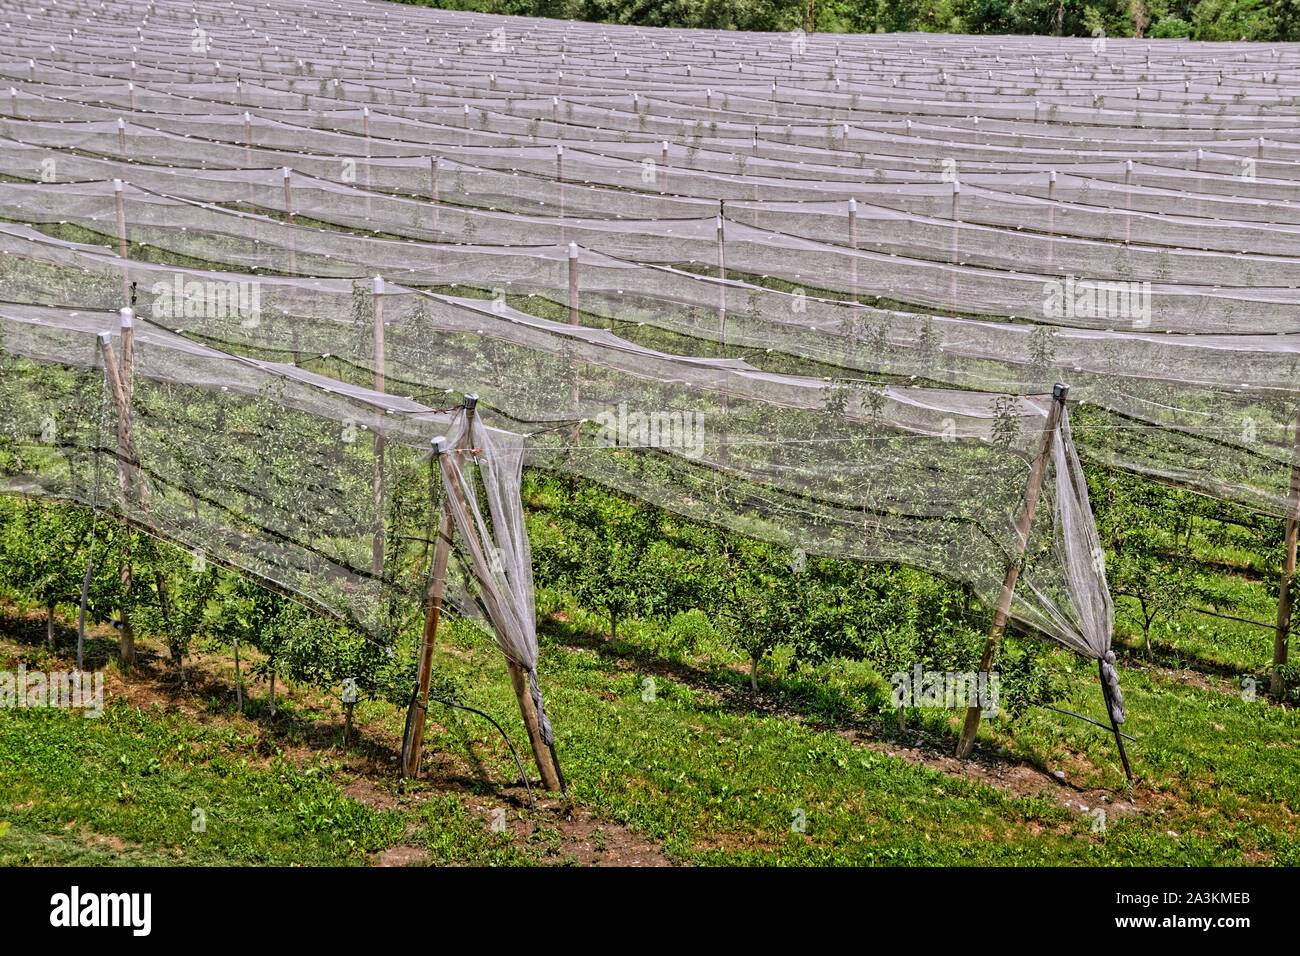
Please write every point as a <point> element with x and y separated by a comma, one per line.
<point>1197,19</point>
<point>45,548</point>
<point>625,560</point>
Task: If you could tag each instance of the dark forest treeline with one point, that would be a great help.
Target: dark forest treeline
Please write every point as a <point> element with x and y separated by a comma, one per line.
<point>1197,19</point>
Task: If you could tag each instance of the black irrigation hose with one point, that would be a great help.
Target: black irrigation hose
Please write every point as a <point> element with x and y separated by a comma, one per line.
<point>406,736</point>
<point>1095,723</point>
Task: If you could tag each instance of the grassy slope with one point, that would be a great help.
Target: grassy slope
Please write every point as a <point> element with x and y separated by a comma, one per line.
<point>703,770</point>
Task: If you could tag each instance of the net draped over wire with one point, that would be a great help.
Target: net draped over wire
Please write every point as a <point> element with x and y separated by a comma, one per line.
<point>799,286</point>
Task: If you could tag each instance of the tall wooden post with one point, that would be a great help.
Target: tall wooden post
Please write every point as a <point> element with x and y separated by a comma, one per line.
<point>365,123</point>
<point>121,138</point>
<point>559,177</point>
<point>377,544</point>
<point>433,187</point>
<point>1128,201</point>
<point>574,391</point>
<point>1282,633</point>
<point>120,206</point>
<point>126,640</point>
<point>956,220</point>
<point>1051,216</point>
<point>518,679</point>
<point>853,244</point>
<point>541,753</point>
<point>722,279</point>
<point>573,283</point>
<point>288,218</point>
<point>432,612</point>
<point>1002,609</point>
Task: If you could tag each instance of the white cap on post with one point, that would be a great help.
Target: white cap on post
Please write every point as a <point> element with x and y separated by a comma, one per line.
<point>285,170</point>
<point>853,204</point>
<point>378,285</point>
<point>117,185</point>
<point>956,187</point>
<point>573,250</point>
<point>439,444</point>
<point>121,123</point>
<point>127,316</point>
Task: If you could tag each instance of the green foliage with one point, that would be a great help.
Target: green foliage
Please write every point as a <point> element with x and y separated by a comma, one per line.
<point>1206,20</point>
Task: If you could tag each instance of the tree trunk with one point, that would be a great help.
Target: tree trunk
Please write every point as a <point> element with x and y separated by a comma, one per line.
<point>126,645</point>
<point>613,627</point>
<point>165,605</point>
<point>272,687</point>
<point>753,673</point>
<point>239,682</point>
<point>49,624</point>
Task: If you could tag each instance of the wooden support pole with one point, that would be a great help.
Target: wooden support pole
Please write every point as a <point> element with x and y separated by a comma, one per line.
<point>131,478</point>
<point>432,612</point>
<point>1002,609</point>
<point>378,543</point>
<point>559,177</point>
<point>573,283</point>
<point>1282,633</point>
<point>1051,216</point>
<point>1128,201</point>
<point>519,680</point>
<point>288,218</point>
<point>853,244</point>
<point>433,187</point>
<point>126,640</point>
<point>121,217</point>
<point>121,138</point>
<point>722,279</point>
<point>952,255</point>
<point>365,122</point>
<point>541,753</point>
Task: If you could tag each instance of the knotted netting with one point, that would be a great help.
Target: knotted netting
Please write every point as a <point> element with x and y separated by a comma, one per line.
<point>812,288</point>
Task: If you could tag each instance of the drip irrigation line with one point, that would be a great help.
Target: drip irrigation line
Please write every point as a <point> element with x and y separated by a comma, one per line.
<point>406,734</point>
<point>1096,723</point>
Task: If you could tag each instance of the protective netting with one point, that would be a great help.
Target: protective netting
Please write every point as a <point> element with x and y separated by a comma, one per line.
<point>795,285</point>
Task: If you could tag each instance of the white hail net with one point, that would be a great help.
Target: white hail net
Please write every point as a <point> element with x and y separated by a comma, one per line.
<point>811,288</point>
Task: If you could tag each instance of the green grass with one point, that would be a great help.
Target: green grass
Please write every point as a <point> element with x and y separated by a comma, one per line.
<point>695,770</point>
